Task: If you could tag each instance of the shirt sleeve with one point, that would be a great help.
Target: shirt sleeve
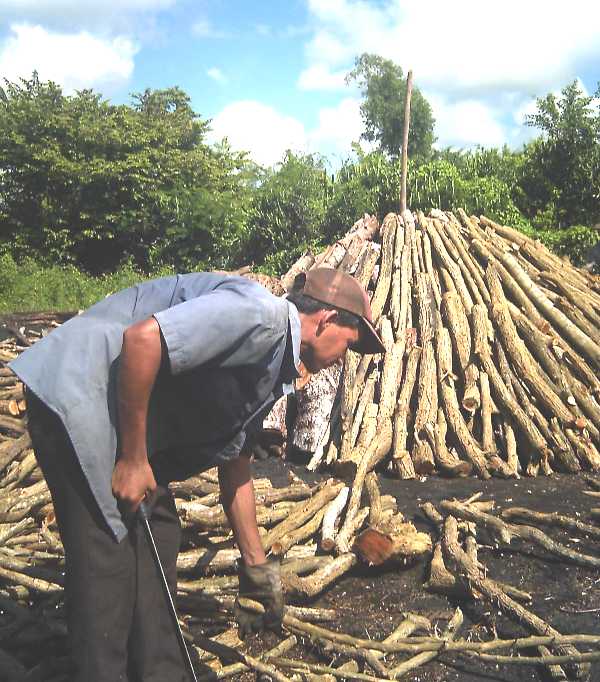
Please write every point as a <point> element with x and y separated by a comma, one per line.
<point>225,328</point>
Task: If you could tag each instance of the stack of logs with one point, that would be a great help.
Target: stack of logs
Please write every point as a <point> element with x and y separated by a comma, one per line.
<point>299,523</point>
<point>493,352</point>
<point>491,368</point>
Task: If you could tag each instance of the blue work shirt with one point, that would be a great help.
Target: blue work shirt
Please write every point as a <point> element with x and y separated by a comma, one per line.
<point>233,349</point>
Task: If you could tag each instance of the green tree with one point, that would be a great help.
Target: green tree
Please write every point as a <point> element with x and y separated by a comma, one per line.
<point>88,183</point>
<point>288,210</point>
<point>562,168</point>
<point>383,89</point>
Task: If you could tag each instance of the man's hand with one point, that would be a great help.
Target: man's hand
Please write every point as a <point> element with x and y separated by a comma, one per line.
<point>131,482</point>
<point>262,583</point>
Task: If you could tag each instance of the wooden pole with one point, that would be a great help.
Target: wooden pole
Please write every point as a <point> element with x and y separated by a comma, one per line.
<point>405,141</point>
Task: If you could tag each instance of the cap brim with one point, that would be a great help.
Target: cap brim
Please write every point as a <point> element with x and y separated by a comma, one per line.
<point>369,342</point>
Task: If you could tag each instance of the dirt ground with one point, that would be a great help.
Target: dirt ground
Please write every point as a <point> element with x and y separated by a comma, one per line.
<point>370,603</point>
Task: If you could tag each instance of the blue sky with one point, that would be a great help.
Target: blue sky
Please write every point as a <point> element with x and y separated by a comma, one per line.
<point>270,74</point>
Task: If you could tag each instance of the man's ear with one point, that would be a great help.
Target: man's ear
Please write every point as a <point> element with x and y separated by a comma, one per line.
<point>326,318</point>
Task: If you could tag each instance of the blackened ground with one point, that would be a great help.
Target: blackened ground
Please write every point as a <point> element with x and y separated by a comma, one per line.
<point>370,603</point>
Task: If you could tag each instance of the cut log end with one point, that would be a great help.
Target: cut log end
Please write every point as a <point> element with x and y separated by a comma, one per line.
<point>402,542</point>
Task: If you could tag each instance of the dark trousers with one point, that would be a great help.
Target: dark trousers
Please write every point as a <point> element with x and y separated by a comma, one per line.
<point>118,623</point>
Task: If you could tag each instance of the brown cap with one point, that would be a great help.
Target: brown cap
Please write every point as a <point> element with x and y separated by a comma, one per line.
<point>341,290</point>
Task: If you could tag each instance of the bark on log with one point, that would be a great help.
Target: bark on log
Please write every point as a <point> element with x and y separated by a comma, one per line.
<point>401,461</point>
<point>458,324</point>
<point>388,235</point>
<point>331,519</point>
<point>314,406</point>
<point>394,540</point>
<point>518,353</point>
<point>454,417</point>
<point>457,557</point>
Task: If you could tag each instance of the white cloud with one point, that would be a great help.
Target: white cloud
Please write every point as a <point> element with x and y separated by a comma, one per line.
<point>338,127</point>
<point>75,61</point>
<point>478,62</point>
<point>76,15</point>
<point>267,134</point>
<point>259,129</point>
<point>217,75</point>
<point>460,47</point>
<point>318,77</point>
<point>203,28</point>
<point>467,123</point>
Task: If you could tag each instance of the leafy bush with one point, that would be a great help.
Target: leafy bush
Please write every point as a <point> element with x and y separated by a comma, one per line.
<point>573,242</point>
<point>288,210</point>
<point>30,286</point>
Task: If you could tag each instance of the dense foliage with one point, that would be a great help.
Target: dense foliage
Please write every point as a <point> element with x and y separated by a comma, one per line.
<point>383,88</point>
<point>86,182</point>
<point>89,188</point>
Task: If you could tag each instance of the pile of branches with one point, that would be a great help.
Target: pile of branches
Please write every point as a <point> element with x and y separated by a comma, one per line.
<point>299,523</point>
<point>491,368</point>
<point>493,352</point>
<point>457,572</point>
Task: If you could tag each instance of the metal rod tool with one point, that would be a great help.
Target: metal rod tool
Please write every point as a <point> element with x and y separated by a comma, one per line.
<point>144,517</point>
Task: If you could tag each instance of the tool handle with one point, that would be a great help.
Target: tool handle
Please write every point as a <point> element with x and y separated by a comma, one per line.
<point>144,511</point>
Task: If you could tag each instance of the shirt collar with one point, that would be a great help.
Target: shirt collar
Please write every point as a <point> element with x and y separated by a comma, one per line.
<point>291,361</point>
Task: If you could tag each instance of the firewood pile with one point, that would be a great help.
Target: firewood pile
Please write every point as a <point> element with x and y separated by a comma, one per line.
<point>493,352</point>
<point>491,370</point>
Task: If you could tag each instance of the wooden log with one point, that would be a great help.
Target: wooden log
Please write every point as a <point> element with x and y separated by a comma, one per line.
<point>388,235</point>
<point>518,353</point>
<point>507,531</point>
<point>530,516</point>
<point>12,448</point>
<point>301,265</point>
<point>458,324</point>
<point>207,559</point>
<point>10,407</point>
<point>366,265</point>
<point>432,228</point>
<point>412,623</point>
<point>453,229</point>
<point>454,417</point>
<point>580,296</point>
<point>446,460</point>
<point>395,291</point>
<point>356,426</point>
<point>510,445</point>
<point>318,581</point>
<point>571,388</point>
<point>487,436</point>
<point>394,540</point>
<point>303,532</point>
<point>344,540</point>
<point>401,461</point>
<point>12,425</point>
<point>426,414</point>
<point>331,519</point>
<point>314,406</point>
<point>581,340</point>
<point>588,455</point>
<point>302,512</point>
<point>454,253</point>
<point>458,558</point>
<point>406,276</point>
<point>19,472</point>
<point>375,508</point>
<point>450,633</point>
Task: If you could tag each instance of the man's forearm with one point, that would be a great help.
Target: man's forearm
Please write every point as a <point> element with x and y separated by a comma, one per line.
<point>237,495</point>
<point>139,366</point>
<point>132,477</point>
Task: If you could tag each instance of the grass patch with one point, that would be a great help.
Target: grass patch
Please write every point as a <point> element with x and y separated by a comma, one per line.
<point>28,286</point>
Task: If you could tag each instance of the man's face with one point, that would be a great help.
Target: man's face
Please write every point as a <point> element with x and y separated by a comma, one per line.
<point>329,343</point>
